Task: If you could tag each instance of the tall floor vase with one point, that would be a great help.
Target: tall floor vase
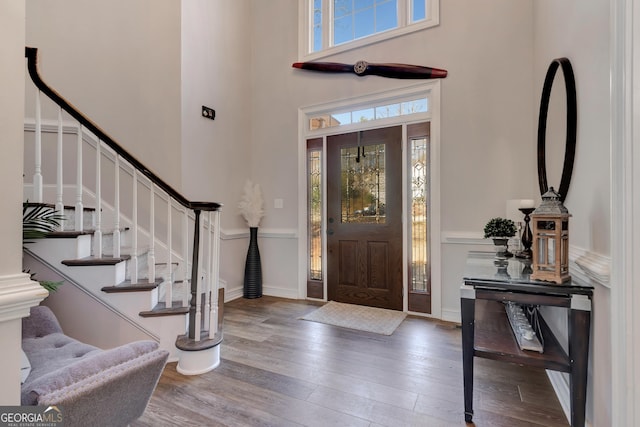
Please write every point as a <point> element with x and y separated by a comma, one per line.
<point>253,267</point>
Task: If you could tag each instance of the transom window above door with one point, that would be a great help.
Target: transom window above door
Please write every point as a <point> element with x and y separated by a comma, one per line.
<point>331,26</point>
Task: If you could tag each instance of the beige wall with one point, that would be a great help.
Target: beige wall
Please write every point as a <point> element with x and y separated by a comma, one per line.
<point>119,63</point>
<point>236,58</point>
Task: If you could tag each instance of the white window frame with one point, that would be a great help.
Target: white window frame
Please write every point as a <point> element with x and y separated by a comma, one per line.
<point>429,89</point>
<point>405,26</point>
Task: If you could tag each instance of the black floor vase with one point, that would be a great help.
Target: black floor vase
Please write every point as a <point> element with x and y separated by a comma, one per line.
<point>253,267</point>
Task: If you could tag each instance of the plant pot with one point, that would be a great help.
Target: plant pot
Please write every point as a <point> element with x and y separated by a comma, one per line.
<point>502,251</point>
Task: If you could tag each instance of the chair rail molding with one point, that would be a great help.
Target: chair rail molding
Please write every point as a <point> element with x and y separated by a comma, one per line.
<point>590,266</point>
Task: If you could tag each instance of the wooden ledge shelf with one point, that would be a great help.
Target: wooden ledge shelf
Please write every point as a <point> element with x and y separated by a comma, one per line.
<point>494,340</point>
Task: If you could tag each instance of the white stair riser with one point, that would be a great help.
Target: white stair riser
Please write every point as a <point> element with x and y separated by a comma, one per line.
<point>128,304</point>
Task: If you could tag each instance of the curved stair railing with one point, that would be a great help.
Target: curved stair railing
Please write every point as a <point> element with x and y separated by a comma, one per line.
<point>199,226</point>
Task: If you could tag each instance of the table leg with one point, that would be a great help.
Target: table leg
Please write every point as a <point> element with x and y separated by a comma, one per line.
<point>467,312</point>
<point>579,327</point>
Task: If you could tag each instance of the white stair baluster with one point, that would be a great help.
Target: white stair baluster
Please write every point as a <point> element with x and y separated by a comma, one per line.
<point>185,256</point>
<point>79,208</point>
<point>59,178</point>
<point>37,175</point>
<point>168,294</point>
<point>215,275</point>
<point>151,256</point>
<point>206,285</point>
<point>134,236</point>
<point>198,325</point>
<point>97,236</point>
<point>116,208</point>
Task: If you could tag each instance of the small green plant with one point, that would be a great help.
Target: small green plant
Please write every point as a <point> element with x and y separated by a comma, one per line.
<point>499,227</point>
<point>37,221</point>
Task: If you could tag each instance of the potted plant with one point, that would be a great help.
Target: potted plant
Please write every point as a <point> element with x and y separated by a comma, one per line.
<point>251,208</point>
<point>500,230</point>
<point>38,220</point>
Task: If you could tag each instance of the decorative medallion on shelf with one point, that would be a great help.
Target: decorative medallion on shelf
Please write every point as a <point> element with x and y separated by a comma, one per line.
<point>363,68</point>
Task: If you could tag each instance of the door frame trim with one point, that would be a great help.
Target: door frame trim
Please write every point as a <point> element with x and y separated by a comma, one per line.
<point>432,90</point>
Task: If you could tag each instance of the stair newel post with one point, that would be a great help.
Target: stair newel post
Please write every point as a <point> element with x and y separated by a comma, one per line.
<point>168,283</point>
<point>37,175</point>
<point>97,235</point>
<point>116,208</point>
<point>59,179</point>
<point>185,256</point>
<point>79,208</point>
<point>214,276</point>
<point>134,226</point>
<point>194,307</point>
<point>151,257</point>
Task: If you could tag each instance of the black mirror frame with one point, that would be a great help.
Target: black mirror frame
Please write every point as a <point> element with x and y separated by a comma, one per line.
<point>570,144</point>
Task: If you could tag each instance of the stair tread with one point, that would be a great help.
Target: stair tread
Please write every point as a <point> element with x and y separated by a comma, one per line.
<point>127,286</point>
<point>70,234</point>
<point>161,310</point>
<point>95,261</point>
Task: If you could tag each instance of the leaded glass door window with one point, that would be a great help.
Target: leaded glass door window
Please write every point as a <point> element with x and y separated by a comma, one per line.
<point>363,190</point>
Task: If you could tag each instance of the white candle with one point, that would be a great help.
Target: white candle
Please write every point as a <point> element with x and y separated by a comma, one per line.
<point>527,203</point>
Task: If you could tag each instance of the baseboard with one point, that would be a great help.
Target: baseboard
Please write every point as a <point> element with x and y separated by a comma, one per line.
<point>560,384</point>
<point>272,291</point>
<point>451,316</point>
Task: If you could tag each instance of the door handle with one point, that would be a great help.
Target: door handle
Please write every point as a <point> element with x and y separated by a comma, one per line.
<point>331,220</point>
<point>330,232</point>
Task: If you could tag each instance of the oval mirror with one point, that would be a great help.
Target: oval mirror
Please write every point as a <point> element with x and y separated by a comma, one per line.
<point>551,155</point>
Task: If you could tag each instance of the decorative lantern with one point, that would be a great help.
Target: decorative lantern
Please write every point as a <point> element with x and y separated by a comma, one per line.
<point>550,240</point>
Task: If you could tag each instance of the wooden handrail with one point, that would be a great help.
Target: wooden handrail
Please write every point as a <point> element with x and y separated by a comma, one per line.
<point>31,53</point>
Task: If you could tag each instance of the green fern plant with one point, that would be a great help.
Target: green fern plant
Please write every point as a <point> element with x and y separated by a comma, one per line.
<point>37,221</point>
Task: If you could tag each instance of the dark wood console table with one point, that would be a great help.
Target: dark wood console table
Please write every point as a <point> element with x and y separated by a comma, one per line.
<point>486,331</point>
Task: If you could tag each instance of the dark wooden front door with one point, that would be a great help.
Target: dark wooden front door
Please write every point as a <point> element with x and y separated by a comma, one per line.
<point>364,211</point>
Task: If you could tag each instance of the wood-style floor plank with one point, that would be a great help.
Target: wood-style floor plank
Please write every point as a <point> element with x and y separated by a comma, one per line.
<point>278,370</point>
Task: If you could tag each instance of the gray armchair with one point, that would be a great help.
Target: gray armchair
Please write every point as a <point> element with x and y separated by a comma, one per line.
<point>92,386</point>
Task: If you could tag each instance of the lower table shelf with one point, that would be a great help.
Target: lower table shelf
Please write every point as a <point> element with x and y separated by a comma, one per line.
<point>494,339</point>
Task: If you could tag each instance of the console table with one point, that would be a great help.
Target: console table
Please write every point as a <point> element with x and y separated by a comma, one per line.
<point>486,332</point>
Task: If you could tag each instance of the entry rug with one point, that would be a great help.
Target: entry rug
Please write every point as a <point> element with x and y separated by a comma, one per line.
<point>359,317</point>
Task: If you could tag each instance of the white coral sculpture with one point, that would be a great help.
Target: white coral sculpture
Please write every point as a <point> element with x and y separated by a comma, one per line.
<point>251,204</point>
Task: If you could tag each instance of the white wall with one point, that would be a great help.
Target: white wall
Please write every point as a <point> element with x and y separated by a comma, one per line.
<point>17,292</point>
<point>119,63</point>
<point>580,31</point>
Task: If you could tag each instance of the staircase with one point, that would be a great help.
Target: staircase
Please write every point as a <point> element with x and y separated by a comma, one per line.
<point>129,239</point>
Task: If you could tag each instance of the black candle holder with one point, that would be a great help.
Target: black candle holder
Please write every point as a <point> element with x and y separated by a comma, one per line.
<point>527,236</point>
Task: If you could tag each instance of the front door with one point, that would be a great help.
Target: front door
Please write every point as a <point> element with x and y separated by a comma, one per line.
<point>364,211</point>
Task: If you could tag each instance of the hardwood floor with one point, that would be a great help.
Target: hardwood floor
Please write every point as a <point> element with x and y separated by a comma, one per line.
<point>278,370</point>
